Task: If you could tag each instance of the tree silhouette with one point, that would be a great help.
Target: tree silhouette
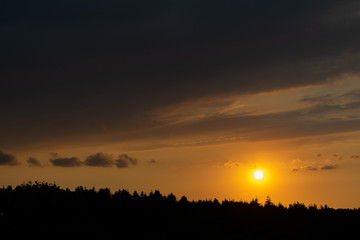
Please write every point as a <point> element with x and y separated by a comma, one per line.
<point>93,214</point>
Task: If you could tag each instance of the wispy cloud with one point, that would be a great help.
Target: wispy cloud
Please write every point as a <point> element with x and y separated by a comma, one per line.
<point>33,162</point>
<point>315,168</point>
<point>231,164</point>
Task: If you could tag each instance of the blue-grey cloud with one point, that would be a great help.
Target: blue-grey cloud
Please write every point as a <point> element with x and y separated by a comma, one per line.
<point>99,160</point>
<point>7,159</point>
<point>66,162</point>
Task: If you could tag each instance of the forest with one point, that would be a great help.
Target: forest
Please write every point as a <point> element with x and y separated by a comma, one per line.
<point>42,210</point>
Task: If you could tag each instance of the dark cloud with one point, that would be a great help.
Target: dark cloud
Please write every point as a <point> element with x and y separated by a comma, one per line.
<point>33,162</point>
<point>305,168</point>
<point>66,162</point>
<point>330,102</point>
<point>311,168</point>
<point>355,156</point>
<point>256,127</point>
<point>99,160</point>
<point>124,161</point>
<point>319,155</point>
<point>144,55</point>
<point>7,159</point>
<point>355,94</point>
<point>152,161</point>
<point>329,167</point>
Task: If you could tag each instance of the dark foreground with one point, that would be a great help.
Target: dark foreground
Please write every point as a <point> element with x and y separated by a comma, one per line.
<point>44,211</point>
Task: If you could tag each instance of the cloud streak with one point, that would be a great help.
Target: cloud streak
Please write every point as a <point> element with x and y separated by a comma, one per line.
<point>329,167</point>
<point>315,168</point>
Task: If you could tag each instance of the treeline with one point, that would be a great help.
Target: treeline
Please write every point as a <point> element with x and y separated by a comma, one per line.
<point>44,210</point>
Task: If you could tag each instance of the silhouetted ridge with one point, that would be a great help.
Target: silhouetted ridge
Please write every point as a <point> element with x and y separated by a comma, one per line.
<point>44,210</point>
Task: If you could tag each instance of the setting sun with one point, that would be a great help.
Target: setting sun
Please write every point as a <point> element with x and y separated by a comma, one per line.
<point>258,175</point>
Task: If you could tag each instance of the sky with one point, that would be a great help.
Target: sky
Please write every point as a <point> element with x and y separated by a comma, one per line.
<point>188,97</point>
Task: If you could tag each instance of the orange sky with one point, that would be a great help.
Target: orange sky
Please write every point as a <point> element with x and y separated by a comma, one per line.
<point>189,97</point>
<point>315,168</point>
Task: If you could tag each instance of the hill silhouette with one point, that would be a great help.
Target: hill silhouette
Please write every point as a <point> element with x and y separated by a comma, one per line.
<point>43,210</point>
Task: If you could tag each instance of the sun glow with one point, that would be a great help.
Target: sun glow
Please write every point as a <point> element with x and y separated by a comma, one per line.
<point>258,175</point>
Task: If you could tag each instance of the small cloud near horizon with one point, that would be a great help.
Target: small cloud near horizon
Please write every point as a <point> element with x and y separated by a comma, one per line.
<point>337,156</point>
<point>99,160</point>
<point>315,168</point>
<point>311,168</point>
<point>66,162</point>
<point>305,168</point>
<point>8,159</point>
<point>152,161</point>
<point>328,167</point>
<point>124,161</point>
<point>231,164</point>
<point>33,162</point>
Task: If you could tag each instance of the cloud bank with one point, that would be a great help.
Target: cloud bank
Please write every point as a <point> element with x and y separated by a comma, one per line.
<point>148,57</point>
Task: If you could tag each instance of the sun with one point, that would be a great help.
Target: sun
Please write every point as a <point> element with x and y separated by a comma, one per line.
<point>258,174</point>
